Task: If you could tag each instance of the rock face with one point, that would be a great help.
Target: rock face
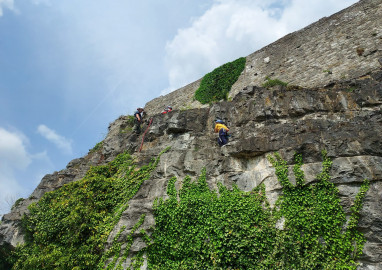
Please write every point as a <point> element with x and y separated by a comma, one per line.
<point>345,119</point>
<point>340,112</point>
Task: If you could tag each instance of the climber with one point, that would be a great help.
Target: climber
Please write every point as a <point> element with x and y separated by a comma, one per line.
<point>138,120</point>
<point>168,109</point>
<point>223,132</point>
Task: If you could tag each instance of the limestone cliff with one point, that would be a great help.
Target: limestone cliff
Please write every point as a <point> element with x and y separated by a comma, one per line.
<point>335,104</point>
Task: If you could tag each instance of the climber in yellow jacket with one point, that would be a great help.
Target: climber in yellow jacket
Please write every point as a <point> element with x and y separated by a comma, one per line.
<point>222,130</point>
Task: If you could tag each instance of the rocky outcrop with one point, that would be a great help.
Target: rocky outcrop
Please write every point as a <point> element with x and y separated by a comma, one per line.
<point>340,112</point>
<point>345,119</point>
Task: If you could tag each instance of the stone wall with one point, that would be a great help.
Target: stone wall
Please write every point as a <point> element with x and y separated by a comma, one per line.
<point>343,46</point>
<point>181,99</point>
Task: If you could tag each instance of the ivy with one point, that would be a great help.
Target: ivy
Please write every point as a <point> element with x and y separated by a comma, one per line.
<point>216,84</point>
<point>68,228</point>
<point>199,228</point>
<point>5,257</point>
<point>196,227</point>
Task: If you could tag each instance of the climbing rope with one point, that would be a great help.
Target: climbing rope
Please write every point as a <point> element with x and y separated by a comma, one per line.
<point>144,133</point>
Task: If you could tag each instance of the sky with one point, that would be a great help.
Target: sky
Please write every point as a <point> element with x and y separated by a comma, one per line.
<point>69,68</point>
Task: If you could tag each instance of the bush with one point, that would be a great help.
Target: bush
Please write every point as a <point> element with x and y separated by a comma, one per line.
<point>272,82</point>
<point>217,84</point>
<point>97,147</point>
<point>68,227</point>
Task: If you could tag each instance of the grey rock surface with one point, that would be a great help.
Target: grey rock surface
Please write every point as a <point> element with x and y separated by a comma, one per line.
<point>262,121</point>
<point>339,111</point>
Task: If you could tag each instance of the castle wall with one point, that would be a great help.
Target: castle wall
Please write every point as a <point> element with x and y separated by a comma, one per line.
<point>343,46</point>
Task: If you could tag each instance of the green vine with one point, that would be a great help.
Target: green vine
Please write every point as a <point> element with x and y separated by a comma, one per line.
<point>68,228</point>
<point>196,227</point>
<point>199,228</point>
<point>216,84</point>
<point>314,237</point>
<point>116,247</point>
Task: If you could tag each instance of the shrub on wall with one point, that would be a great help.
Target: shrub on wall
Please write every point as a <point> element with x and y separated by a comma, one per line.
<point>217,84</point>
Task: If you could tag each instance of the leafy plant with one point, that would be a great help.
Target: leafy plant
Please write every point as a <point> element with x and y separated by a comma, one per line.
<point>196,227</point>
<point>273,82</point>
<point>17,202</point>
<point>68,227</point>
<point>199,228</point>
<point>217,84</point>
<point>315,237</point>
<point>351,89</point>
<point>5,257</point>
<point>97,147</point>
<point>130,120</point>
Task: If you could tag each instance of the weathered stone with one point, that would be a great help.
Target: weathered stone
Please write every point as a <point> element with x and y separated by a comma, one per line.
<point>344,118</point>
<point>303,58</point>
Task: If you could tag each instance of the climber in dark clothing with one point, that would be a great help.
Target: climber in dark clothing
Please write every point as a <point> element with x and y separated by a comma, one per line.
<point>222,130</point>
<point>138,120</point>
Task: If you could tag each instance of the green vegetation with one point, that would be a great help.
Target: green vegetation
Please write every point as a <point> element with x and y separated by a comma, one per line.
<point>273,82</point>
<point>4,258</point>
<point>186,107</point>
<point>17,202</point>
<point>68,227</point>
<point>328,71</point>
<point>97,147</point>
<point>217,84</point>
<point>195,228</point>
<point>199,228</point>
<point>130,120</point>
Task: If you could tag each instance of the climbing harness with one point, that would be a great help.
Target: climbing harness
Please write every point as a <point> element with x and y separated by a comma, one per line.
<point>144,133</point>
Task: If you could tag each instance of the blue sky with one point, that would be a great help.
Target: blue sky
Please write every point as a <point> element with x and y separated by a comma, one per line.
<point>69,68</point>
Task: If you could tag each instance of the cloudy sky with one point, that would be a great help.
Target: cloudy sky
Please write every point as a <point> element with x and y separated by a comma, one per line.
<point>69,68</point>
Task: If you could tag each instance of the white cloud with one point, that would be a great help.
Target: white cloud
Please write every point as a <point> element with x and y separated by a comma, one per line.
<point>13,157</point>
<point>12,150</point>
<point>10,4</point>
<point>6,4</point>
<point>231,29</point>
<point>17,175</point>
<point>37,2</point>
<point>300,13</point>
<point>60,141</point>
<point>228,30</point>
